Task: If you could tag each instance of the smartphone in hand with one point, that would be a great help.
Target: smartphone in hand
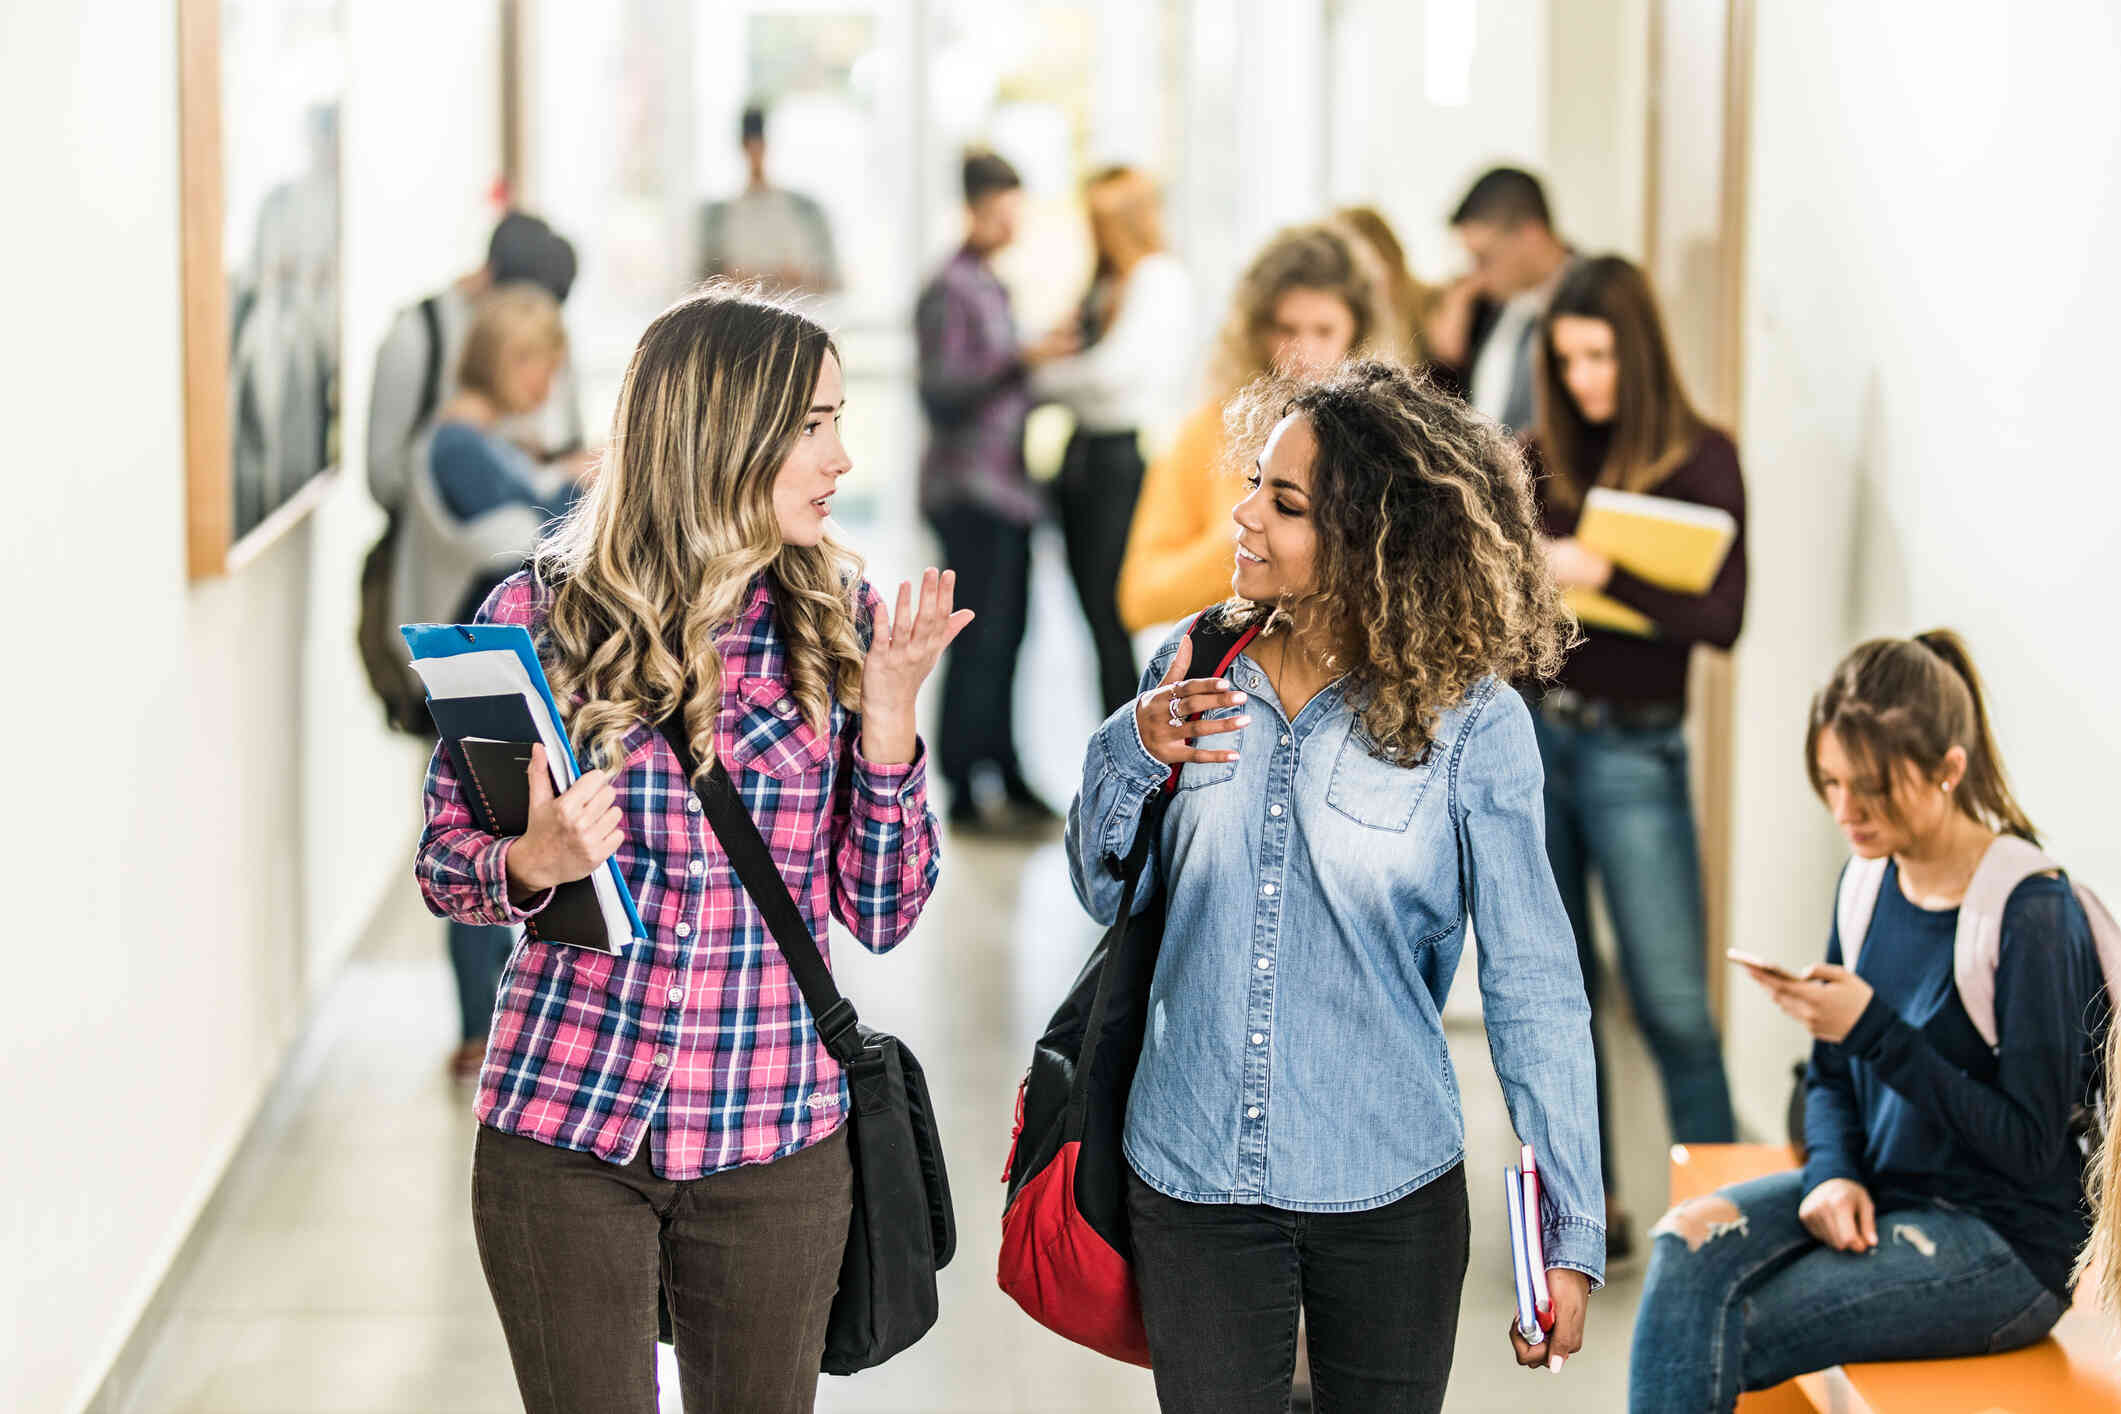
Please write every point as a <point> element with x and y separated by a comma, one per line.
<point>1761,964</point>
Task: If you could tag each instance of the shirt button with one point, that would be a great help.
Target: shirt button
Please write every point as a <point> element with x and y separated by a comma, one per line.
<point>1274,810</point>
<point>784,709</point>
<point>1252,1113</point>
<point>1284,738</point>
<point>693,804</point>
<point>662,1058</point>
<point>1267,889</point>
<point>699,866</point>
<point>677,994</point>
<point>684,930</point>
<point>1259,1038</point>
<point>1263,964</point>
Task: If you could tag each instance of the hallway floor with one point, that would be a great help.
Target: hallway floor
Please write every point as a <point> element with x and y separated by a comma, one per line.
<point>341,1274</point>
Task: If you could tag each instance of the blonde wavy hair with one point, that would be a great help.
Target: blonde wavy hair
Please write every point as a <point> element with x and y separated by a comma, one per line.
<point>1428,574</point>
<point>2100,1261</point>
<point>509,319</point>
<point>660,555</point>
<point>1320,256</point>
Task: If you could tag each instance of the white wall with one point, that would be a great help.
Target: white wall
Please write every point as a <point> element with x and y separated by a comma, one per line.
<point>1413,157</point>
<point>1931,303</point>
<point>1597,119</point>
<point>191,756</point>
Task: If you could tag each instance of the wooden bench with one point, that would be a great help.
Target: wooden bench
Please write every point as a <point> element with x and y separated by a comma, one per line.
<point>2074,1369</point>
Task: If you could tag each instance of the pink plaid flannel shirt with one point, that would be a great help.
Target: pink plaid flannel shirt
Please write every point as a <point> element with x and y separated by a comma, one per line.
<point>697,1039</point>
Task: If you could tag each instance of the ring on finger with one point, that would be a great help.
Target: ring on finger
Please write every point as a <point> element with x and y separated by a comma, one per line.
<point>1178,718</point>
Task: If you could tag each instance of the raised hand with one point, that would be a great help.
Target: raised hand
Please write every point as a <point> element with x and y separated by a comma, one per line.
<point>1169,738</point>
<point>903,649</point>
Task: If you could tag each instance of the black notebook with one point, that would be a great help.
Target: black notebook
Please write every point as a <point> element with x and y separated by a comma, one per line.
<point>496,777</point>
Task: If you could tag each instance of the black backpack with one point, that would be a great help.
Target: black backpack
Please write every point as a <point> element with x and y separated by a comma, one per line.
<point>382,651</point>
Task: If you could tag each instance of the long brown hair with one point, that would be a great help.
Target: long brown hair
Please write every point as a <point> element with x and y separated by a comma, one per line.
<point>660,555</point>
<point>1412,301</point>
<point>1320,257</point>
<point>1654,427</point>
<point>1897,702</point>
<point>1428,566</point>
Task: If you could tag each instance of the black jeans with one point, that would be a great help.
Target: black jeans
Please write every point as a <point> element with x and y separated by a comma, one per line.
<point>992,557</point>
<point>1221,1286</point>
<point>1100,480</point>
<point>573,1248</point>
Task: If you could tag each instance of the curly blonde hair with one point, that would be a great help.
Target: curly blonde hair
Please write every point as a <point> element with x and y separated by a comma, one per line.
<point>1428,573</point>
<point>660,555</point>
<point>1321,256</point>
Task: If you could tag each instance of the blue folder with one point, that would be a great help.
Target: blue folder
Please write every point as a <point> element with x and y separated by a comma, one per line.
<point>453,640</point>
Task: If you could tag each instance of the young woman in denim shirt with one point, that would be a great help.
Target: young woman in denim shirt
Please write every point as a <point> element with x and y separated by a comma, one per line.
<point>1941,1202</point>
<point>1364,785</point>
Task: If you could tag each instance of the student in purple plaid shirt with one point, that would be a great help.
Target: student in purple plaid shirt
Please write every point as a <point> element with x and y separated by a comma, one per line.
<point>668,1115</point>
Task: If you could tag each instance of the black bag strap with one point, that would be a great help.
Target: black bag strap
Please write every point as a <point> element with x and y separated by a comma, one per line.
<point>732,824</point>
<point>1212,640</point>
<point>431,377</point>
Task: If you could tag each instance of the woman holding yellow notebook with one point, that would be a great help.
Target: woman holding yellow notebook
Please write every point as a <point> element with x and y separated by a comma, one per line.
<point>1656,565</point>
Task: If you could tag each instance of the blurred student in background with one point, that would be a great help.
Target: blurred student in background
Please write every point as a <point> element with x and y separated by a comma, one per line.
<point>1484,327</point>
<point>1413,303</point>
<point>1308,300</point>
<point>1612,413</point>
<point>1962,1140</point>
<point>766,233</point>
<point>474,509</point>
<point>975,492</point>
<point>1133,323</point>
<point>416,368</point>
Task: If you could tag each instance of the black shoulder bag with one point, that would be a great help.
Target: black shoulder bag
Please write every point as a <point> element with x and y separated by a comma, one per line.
<point>903,1231</point>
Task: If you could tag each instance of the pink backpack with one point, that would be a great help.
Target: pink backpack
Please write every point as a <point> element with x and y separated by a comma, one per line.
<point>1978,943</point>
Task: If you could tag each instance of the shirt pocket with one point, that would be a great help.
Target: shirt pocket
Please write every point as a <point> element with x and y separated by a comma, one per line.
<point>1194,775</point>
<point>1374,793</point>
<point>771,736</point>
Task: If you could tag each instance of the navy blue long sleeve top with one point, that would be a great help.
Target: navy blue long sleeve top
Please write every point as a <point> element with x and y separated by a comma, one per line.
<point>1915,1106</point>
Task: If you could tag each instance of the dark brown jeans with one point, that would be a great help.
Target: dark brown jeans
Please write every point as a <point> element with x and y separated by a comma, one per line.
<point>573,1247</point>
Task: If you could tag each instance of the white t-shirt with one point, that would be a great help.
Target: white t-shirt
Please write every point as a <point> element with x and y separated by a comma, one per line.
<point>1135,376</point>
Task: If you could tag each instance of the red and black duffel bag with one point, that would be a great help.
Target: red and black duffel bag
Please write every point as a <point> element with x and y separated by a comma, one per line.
<point>1067,1257</point>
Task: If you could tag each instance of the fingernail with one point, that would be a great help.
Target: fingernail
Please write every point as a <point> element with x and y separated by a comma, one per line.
<point>1555,1362</point>
<point>1221,685</point>
<point>1242,720</point>
<point>1237,696</point>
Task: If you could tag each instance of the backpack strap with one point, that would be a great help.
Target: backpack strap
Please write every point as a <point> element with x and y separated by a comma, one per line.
<point>1213,642</point>
<point>1977,946</point>
<point>431,376</point>
<point>1854,903</point>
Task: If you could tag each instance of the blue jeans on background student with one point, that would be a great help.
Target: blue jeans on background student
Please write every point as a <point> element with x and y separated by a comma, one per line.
<point>477,954</point>
<point>1617,802</point>
<point>1741,1297</point>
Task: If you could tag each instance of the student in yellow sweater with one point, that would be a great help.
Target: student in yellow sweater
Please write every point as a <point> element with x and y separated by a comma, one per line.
<point>1314,295</point>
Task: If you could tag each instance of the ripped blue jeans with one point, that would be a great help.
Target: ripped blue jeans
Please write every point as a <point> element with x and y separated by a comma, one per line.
<point>1740,1297</point>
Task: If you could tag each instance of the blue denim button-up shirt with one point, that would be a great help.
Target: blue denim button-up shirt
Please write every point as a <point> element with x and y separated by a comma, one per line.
<point>1318,901</point>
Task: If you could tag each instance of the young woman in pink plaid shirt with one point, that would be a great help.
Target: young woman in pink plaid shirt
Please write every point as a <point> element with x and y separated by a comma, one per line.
<point>668,1116</point>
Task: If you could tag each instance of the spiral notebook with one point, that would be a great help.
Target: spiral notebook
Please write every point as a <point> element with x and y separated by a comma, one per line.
<point>1528,1260</point>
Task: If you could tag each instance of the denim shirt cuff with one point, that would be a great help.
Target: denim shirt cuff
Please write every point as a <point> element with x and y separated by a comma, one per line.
<point>1579,1244</point>
<point>1138,774</point>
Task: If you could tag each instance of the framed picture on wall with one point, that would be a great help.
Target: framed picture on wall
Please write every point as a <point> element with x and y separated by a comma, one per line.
<point>261,90</point>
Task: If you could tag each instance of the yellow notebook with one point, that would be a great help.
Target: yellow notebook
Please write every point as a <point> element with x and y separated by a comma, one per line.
<point>1676,545</point>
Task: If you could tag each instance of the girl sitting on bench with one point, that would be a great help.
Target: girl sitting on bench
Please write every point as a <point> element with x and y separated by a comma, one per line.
<point>1941,1203</point>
